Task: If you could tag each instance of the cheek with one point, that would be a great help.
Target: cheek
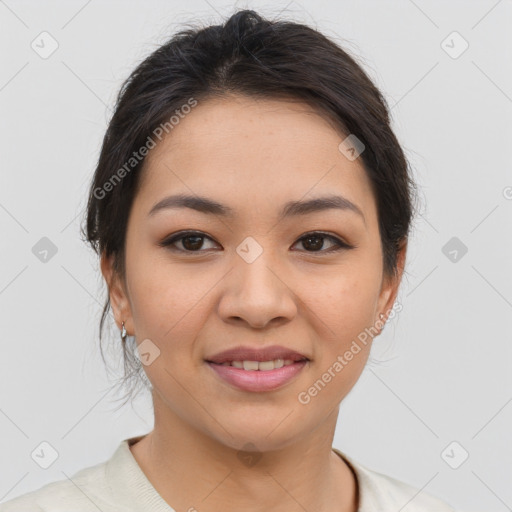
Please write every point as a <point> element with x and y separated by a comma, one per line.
<point>341,314</point>
<point>342,308</point>
<point>164,300</point>
<point>343,301</point>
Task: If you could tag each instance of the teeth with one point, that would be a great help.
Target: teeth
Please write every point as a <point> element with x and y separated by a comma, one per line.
<point>264,365</point>
<point>251,365</point>
<point>259,365</point>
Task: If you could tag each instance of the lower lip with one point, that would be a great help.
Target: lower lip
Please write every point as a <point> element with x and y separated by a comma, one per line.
<point>257,380</point>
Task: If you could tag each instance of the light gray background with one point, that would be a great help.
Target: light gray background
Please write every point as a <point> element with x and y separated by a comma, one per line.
<point>445,371</point>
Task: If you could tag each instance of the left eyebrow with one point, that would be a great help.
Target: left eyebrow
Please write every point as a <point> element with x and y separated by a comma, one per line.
<point>290,209</point>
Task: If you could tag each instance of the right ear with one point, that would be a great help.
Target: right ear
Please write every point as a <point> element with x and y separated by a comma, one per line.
<point>117,293</point>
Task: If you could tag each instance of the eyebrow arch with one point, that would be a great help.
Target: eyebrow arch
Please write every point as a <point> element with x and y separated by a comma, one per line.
<point>290,209</point>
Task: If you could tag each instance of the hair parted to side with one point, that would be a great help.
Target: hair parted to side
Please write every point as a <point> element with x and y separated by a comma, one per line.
<point>254,56</point>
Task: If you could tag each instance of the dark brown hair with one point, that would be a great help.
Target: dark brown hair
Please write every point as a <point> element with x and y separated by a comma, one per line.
<point>249,55</point>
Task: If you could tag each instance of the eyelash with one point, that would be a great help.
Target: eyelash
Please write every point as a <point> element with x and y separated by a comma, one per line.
<point>339,244</point>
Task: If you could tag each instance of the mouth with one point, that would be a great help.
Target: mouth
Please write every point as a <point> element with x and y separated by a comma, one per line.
<point>257,370</point>
<point>258,376</point>
<point>246,357</point>
<point>263,366</point>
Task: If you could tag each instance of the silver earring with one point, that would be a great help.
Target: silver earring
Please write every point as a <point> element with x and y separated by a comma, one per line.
<point>123,333</point>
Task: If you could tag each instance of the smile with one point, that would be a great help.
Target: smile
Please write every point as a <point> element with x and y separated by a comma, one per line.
<point>258,376</point>
<point>259,365</point>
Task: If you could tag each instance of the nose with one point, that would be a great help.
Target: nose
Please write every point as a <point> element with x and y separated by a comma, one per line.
<point>257,294</point>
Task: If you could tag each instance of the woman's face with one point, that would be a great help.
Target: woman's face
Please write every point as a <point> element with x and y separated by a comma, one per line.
<point>250,277</point>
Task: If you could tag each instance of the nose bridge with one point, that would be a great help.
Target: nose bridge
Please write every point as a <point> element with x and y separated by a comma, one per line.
<point>256,270</point>
<point>255,291</point>
<point>259,275</point>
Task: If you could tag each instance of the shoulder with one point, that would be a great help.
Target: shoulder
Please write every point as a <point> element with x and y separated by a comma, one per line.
<point>87,490</point>
<point>382,493</point>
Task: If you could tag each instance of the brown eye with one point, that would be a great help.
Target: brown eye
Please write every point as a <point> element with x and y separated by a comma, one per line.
<point>314,242</point>
<point>190,241</point>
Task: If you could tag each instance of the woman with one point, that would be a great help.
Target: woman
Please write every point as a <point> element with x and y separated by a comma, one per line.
<point>251,207</point>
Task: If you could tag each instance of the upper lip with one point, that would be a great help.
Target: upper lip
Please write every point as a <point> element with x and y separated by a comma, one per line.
<point>256,354</point>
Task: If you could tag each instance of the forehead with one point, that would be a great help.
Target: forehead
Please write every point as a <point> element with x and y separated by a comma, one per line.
<point>253,152</point>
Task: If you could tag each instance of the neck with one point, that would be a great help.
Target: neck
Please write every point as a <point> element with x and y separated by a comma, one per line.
<point>192,470</point>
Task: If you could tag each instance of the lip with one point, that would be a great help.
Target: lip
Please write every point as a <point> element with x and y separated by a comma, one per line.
<point>257,380</point>
<point>256,354</point>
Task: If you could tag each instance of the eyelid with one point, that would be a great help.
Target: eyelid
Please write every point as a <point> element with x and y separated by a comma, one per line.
<point>325,234</point>
<point>340,243</point>
<point>175,237</point>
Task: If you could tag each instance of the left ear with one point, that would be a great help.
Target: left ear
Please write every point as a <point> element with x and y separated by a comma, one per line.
<point>390,286</point>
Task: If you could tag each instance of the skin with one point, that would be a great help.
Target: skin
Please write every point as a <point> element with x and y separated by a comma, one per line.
<point>252,155</point>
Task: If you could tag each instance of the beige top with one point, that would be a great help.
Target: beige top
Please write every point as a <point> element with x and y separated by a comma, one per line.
<point>120,485</point>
